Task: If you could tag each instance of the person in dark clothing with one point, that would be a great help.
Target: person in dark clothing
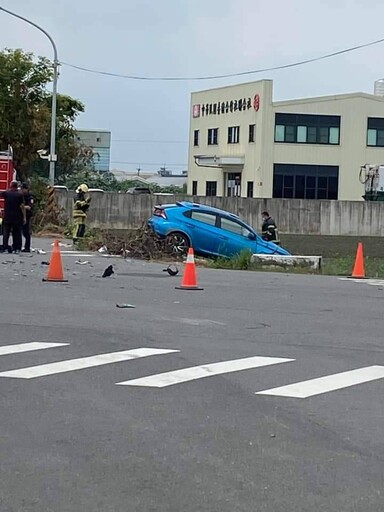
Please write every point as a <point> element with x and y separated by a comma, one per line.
<point>269,229</point>
<point>28,205</point>
<point>14,217</point>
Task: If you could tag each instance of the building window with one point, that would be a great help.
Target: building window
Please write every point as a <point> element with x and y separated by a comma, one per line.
<point>290,133</point>
<point>213,136</point>
<point>196,136</point>
<point>296,181</point>
<point>372,138</point>
<point>334,135</point>
<point>211,188</point>
<point>233,184</point>
<point>251,133</point>
<point>249,188</point>
<point>279,133</point>
<point>375,133</point>
<point>194,188</point>
<point>307,129</point>
<point>233,134</point>
<point>301,134</point>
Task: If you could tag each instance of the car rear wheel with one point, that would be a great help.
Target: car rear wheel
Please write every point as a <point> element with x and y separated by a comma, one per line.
<point>177,243</point>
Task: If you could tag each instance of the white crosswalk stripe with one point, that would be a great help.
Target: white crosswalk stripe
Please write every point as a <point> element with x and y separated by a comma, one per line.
<point>69,365</point>
<point>328,383</point>
<point>28,347</point>
<point>303,389</point>
<point>163,380</point>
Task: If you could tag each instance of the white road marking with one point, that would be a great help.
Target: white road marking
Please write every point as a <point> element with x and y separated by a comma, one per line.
<point>70,365</point>
<point>77,253</point>
<point>328,383</point>
<point>28,347</point>
<point>354,280</point>
<point>163,380</point>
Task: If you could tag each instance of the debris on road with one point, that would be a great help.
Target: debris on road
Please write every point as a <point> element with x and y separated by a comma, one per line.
<point>172,270</point>
<point>39,251</point>
<point>108,271</point>
<point>125,306</point>
<point>45,262</point>
<point>103,250</point>
<point>79,262</point>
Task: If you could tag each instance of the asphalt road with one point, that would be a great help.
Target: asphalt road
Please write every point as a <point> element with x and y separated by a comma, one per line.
<point>71,440</point>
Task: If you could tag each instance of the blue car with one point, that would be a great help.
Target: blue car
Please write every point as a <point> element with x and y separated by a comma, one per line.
<point>210,231</point>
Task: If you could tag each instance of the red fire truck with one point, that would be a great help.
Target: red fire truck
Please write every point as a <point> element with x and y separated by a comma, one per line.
<point>7,174</point>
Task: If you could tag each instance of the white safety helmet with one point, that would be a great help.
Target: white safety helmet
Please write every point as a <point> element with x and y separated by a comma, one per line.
<point>82,188</point>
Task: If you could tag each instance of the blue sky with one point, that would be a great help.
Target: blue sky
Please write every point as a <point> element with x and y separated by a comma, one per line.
<point>189,38</point>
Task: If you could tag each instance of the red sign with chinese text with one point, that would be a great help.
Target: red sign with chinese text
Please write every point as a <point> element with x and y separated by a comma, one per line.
<point>256,102</point>
<point>196,111</point>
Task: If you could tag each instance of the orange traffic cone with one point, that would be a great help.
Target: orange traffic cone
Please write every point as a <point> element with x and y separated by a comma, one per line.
<point>189,281</point>
<point>358,269</point>
<point>55,269</point>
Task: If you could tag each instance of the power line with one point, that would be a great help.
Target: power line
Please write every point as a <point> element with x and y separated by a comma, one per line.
<point>229,75</point>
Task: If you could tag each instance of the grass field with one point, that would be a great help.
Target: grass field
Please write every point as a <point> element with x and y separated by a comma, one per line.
<point>374,267</point>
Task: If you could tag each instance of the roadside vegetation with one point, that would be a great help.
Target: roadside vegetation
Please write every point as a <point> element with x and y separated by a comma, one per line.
<point>338,266</point>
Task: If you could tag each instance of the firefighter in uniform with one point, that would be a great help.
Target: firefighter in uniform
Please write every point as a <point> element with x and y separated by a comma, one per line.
<point>269,229</point>
<point>80,208</point>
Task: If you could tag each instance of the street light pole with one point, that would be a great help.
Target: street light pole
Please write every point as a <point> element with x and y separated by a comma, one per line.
<point>52,152</point>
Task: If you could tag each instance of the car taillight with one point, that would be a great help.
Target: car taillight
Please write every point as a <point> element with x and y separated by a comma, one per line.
<point>160,212</point>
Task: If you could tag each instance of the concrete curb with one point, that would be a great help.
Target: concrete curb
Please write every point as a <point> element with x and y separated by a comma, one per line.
<point>275,260</point>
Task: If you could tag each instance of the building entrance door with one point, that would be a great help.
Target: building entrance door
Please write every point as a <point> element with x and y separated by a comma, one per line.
<point>233,184</point>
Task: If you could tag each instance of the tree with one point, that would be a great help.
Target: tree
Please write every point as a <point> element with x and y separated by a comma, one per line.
<point>25,115</point>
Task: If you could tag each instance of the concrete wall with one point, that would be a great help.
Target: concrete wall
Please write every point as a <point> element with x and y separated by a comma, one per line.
<point>293,216</point>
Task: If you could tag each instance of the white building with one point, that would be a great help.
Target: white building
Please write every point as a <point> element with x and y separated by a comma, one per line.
<point>244,144</point>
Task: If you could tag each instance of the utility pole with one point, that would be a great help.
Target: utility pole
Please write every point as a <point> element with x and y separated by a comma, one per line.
<point>52,152</point>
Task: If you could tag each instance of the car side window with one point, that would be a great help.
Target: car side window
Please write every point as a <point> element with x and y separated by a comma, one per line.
<point>234,227</point>
<point>206,218</point>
